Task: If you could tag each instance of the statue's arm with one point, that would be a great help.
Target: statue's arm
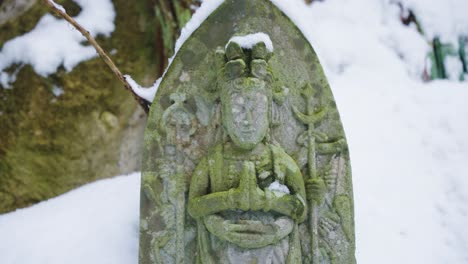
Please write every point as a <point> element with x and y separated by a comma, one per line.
<point>200,202</point>
<point>289,205</point>
<point>293,205</point>
<point>209,204</point>
<point>295,183</point>
<point>331,147</point>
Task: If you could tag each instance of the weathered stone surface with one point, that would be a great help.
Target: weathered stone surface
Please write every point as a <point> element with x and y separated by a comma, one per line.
<point>245,157</point>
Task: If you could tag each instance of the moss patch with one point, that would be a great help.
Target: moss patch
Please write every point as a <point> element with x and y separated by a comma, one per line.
<point>50,144</point>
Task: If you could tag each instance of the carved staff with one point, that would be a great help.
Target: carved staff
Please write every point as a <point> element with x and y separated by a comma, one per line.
<point>180,213</point>
<point>310,119</point>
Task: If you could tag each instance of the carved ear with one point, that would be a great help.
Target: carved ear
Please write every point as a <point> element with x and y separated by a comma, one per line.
<point>216,123</point>
<point>276,117</point>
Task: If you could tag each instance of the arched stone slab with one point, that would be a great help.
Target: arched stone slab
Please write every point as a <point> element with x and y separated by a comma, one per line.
<point>241,137</point>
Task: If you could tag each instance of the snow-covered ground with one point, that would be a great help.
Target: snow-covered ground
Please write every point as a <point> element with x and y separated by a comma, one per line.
<point>408,143</point>
<point>95,224</point>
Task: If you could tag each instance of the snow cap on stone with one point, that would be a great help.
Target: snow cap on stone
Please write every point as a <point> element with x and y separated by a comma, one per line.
<point>248,41</point>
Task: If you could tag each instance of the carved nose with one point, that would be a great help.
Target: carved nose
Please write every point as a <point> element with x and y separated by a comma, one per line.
<point>247,119</point>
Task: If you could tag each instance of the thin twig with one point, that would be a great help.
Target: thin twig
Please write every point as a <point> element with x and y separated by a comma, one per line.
<point>143,103</point>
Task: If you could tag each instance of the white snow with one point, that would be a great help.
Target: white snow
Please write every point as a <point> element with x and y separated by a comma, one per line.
<point>57,90</point>
<point>407,139</point>
<point>59,7</point>
<point>278,187</point>
<point>146,93</point>
<point>97,223</point>
<point>249,41</point>
<point>6,79</point>
<point>53,42</point>
<point>453,67</point>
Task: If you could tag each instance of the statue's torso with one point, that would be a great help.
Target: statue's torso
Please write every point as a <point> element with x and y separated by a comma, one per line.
<point>232,162</point>
<point>228,177</point>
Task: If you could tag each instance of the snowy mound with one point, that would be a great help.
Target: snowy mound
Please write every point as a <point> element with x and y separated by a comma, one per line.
<point>95,224</point>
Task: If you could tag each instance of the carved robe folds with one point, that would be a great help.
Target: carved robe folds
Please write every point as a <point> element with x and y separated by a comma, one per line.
<point>248,202</point>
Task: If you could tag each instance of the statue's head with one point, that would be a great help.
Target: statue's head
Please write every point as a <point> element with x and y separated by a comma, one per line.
<point>246,94</point>
<point>177,122</point>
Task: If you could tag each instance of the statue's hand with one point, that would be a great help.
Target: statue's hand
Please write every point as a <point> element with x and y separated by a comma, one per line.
<point>249,233</point>
<point>240,197</point>
<point>315,189</point>
<point>256,195</point>
<point>328,223</point>
<point>248,196</point>
<point>342,144</point>
<point>257,199</point>
<point>289,205</point>
<point>329,179</point>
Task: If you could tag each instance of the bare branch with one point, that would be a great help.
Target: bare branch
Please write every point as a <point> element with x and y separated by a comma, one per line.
<point>143,103</point>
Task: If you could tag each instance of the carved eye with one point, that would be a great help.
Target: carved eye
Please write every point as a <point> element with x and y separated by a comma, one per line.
<point>185,127</point>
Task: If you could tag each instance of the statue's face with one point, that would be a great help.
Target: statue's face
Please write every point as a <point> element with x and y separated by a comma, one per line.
<point>179,127</point>
<point>245,112</point>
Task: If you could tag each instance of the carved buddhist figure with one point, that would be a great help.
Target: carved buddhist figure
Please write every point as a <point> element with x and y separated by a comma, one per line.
<point>248,195</point>
<point>245,157</point>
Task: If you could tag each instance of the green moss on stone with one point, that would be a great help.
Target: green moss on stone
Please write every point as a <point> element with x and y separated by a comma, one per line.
<point>50,144</point>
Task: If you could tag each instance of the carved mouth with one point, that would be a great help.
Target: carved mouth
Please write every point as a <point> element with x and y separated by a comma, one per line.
<point>251,232</point>
<point>248,130</point>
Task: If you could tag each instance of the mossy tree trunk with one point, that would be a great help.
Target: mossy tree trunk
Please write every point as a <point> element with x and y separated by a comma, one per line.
<point>51,144</point>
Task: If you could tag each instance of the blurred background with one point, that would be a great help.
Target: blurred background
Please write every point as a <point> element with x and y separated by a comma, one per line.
<point>68,126</point>
<point>398,69</point>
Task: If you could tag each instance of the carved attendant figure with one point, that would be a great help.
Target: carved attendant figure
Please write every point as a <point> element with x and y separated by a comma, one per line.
<point>247,195</point>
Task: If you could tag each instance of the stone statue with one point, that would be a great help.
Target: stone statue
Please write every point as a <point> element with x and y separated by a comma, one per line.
<point>248,195</point>
<point>245,158</point>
